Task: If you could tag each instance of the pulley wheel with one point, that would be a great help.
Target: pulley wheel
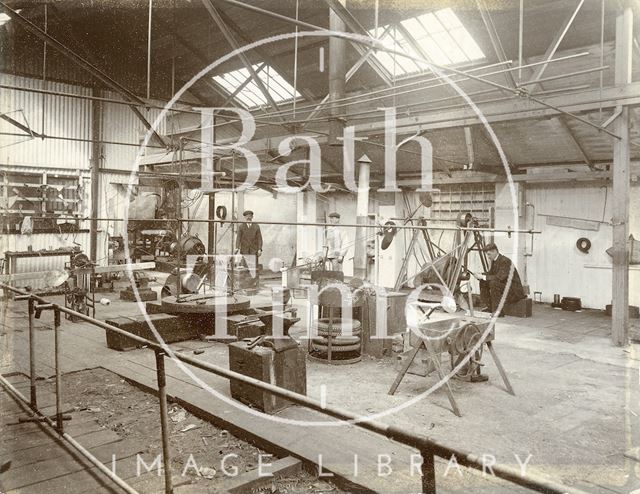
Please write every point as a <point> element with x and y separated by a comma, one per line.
<point>464,219</point>
<point>461,347</point>
<point>388,233</point>
<point>425,199</point>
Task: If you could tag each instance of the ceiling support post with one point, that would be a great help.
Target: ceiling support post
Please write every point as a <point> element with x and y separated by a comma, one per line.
<point>621,186</point>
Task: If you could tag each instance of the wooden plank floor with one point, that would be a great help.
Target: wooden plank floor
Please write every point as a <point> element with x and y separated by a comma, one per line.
<point>560,359</point>
<point>42,462</point>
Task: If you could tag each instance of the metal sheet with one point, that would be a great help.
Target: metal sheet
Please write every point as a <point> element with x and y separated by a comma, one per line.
<point>122,126</point>
<point>63,117</point>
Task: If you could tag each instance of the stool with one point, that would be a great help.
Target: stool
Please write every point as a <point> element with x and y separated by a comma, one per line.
<point>537,297</point>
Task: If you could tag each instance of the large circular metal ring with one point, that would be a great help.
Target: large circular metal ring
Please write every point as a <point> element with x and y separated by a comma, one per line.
<point>221,212</point>
<point>337,341</point>
<point>583,244</point>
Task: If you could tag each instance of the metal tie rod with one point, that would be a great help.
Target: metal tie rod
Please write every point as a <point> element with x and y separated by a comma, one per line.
<point>349,225</point>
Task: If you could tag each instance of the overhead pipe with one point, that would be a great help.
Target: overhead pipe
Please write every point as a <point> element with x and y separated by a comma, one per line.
<point>337,77</point>
<point>96,151</point>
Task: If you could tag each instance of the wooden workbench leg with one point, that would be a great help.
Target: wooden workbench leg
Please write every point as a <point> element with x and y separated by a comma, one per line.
<point>501,370</point>
<point>403,370</point>
<point>447,387</point>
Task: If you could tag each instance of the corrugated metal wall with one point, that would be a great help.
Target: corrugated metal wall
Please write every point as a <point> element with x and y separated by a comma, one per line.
<point>121,125</point>
<point>63,117</point>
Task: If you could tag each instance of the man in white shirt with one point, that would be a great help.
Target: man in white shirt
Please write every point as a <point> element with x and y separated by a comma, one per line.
<point>336,242</point>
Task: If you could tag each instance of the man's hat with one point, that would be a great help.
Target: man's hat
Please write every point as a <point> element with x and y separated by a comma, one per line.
<point>247,213</point>
<point>490,246</point>
<point>334,215</point>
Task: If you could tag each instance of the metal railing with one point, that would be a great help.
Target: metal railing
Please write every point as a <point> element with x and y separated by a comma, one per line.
<point>427,447</point>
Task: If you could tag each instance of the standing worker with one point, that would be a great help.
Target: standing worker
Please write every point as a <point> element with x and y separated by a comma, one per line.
<point>249,243</point>
<point>336,243</point>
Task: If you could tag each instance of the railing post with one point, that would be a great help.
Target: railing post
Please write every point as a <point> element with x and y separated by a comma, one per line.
<point>164,426</point>
<point>56,344</point>
<point>32,355</point>
<point>428,469</point>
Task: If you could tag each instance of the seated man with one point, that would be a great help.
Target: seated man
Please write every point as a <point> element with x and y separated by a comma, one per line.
<point>494,282</point>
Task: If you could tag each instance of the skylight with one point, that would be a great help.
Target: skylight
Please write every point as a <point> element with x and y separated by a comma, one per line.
<point>437,36</point>
<point>248,92</point>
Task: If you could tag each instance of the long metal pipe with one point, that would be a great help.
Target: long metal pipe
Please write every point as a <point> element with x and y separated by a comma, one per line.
<point>32,356</point>
<point>22,401</point>
<point>79,139</point>
<point>58,370</point>
<point>562,76</point>
<point>337,74</point>
<point>349,225</point>
<point>164,423</point>
<point>96,148</point>
<point>409,438</point>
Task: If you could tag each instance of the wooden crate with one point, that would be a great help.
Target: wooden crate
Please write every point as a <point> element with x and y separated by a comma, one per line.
<point>170,328</point>
<point>396,323</point>
<point>285,369</point>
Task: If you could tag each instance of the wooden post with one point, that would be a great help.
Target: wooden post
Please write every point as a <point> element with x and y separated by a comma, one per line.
<point>621,187</point>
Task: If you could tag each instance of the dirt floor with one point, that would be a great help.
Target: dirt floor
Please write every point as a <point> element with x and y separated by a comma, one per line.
<point>135,414</point>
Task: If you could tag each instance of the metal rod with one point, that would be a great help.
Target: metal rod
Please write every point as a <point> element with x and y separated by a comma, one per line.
<point>350,225</point>
<point>428,470</point>
<point>601,51</point>
<point>23,402</point>
<point>56,352</point>
<point>96,134</point>
<point>94,98</point>
<point>44,67</point>
<point>149,50</point>
<point>78,139</point>
<point>164,425</point>
<point>520,35</point>
<point>409,438</point>
<point>295,62</point>
<point>558,39</point>
<point>562,76</point>
<point>32,356</point>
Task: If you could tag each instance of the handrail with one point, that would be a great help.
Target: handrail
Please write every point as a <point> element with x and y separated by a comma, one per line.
<point>428,447</point>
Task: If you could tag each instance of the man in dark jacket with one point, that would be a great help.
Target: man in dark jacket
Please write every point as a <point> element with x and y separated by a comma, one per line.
<point>494,282</point>
<point>249,245</point>
<point>249,238</point>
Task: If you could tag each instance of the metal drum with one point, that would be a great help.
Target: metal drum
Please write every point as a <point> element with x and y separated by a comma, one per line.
<point>188,245</point>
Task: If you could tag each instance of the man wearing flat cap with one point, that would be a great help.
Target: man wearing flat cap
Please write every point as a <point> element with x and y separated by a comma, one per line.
<point>249,245</point>
<point>249,238</point>
<point>336,242</point>
<point>494,282</point>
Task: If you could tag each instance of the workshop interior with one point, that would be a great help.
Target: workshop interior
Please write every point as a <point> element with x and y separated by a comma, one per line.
<point>319,246</point>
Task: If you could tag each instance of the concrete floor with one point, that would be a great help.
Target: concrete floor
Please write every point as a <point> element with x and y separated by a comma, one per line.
<point>575,411</point>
